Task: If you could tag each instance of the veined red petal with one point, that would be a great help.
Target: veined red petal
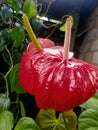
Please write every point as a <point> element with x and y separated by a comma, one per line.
<point>26,77</point>
<point>55,83</point>
<point>62,85</point>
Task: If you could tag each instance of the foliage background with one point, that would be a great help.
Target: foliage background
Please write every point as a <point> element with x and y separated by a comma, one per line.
<point>15,103</point>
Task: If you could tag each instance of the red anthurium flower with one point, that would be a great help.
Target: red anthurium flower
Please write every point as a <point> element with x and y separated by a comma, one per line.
<point>60,84</point>
<point>55,78</point>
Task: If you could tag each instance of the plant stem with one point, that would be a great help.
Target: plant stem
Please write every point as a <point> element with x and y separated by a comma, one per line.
<point>17,104</point>
<point>30,32</point>
<point>11,60</point>
<point>67,39</point>
<point>11,66</point>
<point>49,5</point>
<point>66,124</point>
<point>7,88</point>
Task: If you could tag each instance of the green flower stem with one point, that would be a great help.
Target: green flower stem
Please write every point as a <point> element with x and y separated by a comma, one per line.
<point>17,103</point>
<point>66,124</point>
<point>30,32</point>
<point>11,60</point>
<point>5,59</point>
<point>5,77</point>
<point>11,66</point>
<point>49,5</point>
<point>7,90</point>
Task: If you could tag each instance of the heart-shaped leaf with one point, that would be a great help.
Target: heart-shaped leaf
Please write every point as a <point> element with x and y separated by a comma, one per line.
<point>88,120</point>
<point>36,24</point>
<point>26,123</point>
<point>6,120</point>
<point>13,80</point>
<point>17,35</point>
<point>5,35</point>
<point>96,95</point>
<point>5,12</point>
<point>47,120</point>
<point>92,103</point>
<point>63,27</point>
<point>4,102</point>
<point>29,8</point>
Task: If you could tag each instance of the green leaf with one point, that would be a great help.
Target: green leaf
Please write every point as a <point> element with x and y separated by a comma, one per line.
<point>88,120</point>
<point>13,80</point>
<point>6,120</point>
<point>26,123</point>
<point>5,35</point>
<point>47,120</point>
<point>92,103</point>
<point>6,12</point>
<point>1,43</point>
<point>4,102</point>
<point>96,95</point>
<point>36,25</point>
<point>63,27</point>
<point>29,8</point>
<point>17,35</point>
<point>1,48</point>
<point>23,114</point>
<point>16,5</point>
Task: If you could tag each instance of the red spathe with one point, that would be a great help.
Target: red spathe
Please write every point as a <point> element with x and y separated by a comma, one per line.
<point>62,85</point>
<point>26,77</point>
<point>55,83</point>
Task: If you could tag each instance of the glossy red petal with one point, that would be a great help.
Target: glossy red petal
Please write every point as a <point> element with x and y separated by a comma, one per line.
<point>62,85</point>
<point>26,77</point>
<point>55,83</point>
